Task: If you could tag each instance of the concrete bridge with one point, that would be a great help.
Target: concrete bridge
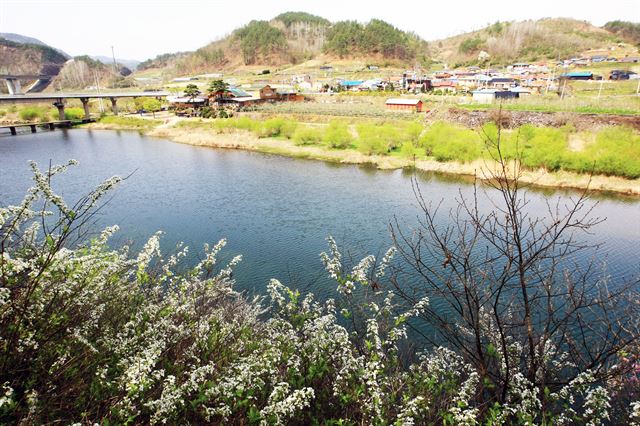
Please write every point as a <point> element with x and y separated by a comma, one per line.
<point>59,99</point>
<point>15,87</point>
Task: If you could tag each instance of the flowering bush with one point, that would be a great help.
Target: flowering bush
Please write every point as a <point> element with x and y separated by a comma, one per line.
<point>91,334</point>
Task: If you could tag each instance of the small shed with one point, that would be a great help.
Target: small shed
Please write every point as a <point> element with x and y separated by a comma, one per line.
<point>398,104</point>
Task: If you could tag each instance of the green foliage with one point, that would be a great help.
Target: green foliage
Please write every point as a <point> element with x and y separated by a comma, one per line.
<point>343,38</point>
<point>447,142</point>
<point>409,150</point>
<point>412,132</point>
<point>211,55</point>
<point>152,105</point>
<point>337,135</point>
<point>371,140</point>
<point>290,18</point>
<point>216,86</point>
<point>259,39</point>
<point>470,45</point>
<point>616,151</point>
<point>73,113</point>
<point>541,147</point>
<point>34,113</point>
<point>275,127</point>
<point>350,38</point>
<point>496,28</point>
<point>191,91</point>
<point>308,135</point>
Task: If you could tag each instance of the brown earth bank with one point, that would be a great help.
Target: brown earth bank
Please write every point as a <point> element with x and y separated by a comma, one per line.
<point>513,119</point>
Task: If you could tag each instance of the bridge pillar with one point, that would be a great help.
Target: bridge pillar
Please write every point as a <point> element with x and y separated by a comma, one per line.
<point>13,84</point>
<point>114,106</point>
<point>85,105</point>
<point>60,105</point>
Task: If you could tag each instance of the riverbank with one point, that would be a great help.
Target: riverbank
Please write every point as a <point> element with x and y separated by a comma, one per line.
<point>242,139</point>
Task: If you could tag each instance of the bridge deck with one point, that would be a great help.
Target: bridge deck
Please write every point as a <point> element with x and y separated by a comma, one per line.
<point>31,97</point>
<point>46,123</point>
<point>25,77</point>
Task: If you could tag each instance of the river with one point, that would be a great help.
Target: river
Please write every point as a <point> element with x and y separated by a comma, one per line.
<point>275,211</point>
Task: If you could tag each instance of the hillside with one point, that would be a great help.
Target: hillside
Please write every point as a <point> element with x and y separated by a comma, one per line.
<point>29,58</point>
<point>506,42</point>
<point>83,71</point>
<point>628,31</point>
<point>295,37</point>
<point>22,39</point>
<point>26,55</point>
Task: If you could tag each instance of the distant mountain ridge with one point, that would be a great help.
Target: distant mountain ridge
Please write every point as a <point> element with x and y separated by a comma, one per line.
<point>132,64</point>
<point>18,38</point>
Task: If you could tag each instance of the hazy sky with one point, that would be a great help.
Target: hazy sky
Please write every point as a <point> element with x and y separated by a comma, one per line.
<point>139,29</point>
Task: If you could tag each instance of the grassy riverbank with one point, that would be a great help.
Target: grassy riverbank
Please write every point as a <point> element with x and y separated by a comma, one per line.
<point>554,157</point>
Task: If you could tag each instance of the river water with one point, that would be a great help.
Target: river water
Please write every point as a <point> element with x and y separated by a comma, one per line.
<point>275,211</point>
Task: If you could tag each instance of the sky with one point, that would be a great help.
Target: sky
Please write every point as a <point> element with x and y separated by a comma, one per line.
<point>141,29</point>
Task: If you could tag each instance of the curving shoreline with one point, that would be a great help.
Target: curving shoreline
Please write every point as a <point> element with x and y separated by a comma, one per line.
<point>247,141</point>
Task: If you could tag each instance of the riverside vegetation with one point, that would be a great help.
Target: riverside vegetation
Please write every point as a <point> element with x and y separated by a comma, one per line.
<point>611,151</point>
<point>95,334</point>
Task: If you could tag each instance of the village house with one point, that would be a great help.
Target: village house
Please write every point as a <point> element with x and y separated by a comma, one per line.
<point>289,95</point>
<point>444,86</point>
<point>399,104</point>
<point>501,83</point>
<point>268,93</point>
<point>352,85</point>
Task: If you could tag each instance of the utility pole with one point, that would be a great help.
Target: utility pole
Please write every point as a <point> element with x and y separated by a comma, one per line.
<point>115,67</point>
<point>600,90</point>
<point>95,76</point>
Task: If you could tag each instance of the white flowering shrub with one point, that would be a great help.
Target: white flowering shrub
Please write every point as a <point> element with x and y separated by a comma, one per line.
<point>92,334</point>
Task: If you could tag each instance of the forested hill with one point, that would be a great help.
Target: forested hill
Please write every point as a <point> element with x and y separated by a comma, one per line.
<point>294,37</point>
